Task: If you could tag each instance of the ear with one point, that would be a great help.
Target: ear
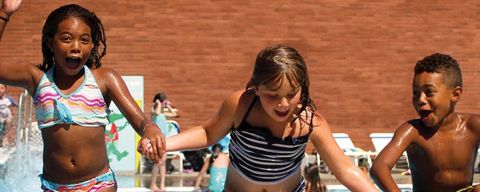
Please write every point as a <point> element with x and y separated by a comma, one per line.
<point>456,93</point>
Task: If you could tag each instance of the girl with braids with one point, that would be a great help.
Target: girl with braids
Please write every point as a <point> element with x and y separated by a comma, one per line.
<point>71,94</point>
<point>270,123</point>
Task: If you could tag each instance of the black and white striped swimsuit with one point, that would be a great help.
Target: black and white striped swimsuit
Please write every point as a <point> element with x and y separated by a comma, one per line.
<point>260,157</point>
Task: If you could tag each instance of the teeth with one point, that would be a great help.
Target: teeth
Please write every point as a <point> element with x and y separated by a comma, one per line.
<point>72,59</point>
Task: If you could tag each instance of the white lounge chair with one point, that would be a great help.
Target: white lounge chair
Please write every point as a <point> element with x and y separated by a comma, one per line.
<point>176,156</point>
<point>355,153</point>
<point>380,140</point>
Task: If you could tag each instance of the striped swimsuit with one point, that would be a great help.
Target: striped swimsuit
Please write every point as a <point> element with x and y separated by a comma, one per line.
<point>85,106</point>
<point>260,157</point>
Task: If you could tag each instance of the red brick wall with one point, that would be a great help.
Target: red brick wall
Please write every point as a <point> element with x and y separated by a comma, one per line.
<point>360,54</point>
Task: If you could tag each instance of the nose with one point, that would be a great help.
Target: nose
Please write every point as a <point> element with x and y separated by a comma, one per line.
<point>283,104</point>
<point>75,47</point>
<point>420,100</point>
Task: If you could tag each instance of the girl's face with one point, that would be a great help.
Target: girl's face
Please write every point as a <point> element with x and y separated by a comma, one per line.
<point>71,45</point>
<point>279,104</point>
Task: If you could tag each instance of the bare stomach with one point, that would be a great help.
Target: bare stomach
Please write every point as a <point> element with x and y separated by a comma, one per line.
<point>446,180</point>
<point>73,153</point>
<point>236,182</point>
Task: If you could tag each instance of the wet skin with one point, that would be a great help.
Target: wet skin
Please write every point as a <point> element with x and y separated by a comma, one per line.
<point>66,162</point>
<point>443,160</point>
<point>441,144</point>
<point>72,153</point>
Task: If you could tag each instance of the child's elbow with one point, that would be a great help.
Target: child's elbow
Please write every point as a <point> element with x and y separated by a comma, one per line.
<point>376,170</point>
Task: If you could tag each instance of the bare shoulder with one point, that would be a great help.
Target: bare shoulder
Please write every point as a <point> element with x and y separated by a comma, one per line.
<point>319,124</point>
<point>239,101</point>
<point>105,76</point>
<point>318,120</point>
<point>472,122</point>
<point>408,131</point>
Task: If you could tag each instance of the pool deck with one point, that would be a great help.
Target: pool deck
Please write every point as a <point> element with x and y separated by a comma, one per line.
<point>185,181</point>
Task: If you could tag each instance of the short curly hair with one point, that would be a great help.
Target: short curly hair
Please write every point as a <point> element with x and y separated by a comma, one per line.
<point>443,64</point>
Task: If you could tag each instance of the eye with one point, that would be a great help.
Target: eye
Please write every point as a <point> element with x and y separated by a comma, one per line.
<point>429,93</point>
<point>85,40</point>
<point>291,96</point>
<point>272,97</point>
<point>66,39</point>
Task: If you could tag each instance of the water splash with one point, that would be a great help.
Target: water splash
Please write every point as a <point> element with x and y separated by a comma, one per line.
<point>20,172</point>
<point>21,163</point>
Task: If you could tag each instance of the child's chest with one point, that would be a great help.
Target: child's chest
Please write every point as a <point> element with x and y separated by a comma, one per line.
<point>445,151</point>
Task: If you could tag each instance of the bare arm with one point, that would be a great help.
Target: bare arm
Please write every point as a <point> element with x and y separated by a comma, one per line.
<point>340,165</point>
<point>20,75</point>
<point>170,112</point>
<point>384,162</point>
<point>474,125</point>
<point>7,9</point>
<point>118,92</point>
<point>209,133</point>
<point>202,172</point>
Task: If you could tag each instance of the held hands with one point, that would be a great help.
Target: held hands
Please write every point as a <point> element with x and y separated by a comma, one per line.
<point>152,144</point>
<point>10,6</point>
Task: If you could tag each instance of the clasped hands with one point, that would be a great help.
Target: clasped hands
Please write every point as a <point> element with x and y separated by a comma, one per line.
<point>152,143</point>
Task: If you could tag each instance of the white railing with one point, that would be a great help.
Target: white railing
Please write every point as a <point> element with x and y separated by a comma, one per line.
<point>27,131</point>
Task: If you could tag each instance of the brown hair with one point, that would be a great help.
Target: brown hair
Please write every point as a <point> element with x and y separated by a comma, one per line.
<point>279,63</point>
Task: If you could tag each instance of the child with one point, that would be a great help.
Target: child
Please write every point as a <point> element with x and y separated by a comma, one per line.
<point>270,123</point>
<point>71,94</point>
<point>5,113</point>
<point>160,111</point>
<point>441,144</point>
<point>313,181</point>
<point>217,166</point>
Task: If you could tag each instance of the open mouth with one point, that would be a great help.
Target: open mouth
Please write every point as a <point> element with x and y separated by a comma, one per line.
<point>281,114</point>
<point>73,62</point>
<point>425,114</point>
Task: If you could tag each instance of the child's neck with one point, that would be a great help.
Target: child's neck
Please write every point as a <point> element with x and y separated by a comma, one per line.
<point>451,122</point>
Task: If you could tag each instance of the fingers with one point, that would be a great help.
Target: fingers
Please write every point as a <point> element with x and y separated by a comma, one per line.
<point>160,147</point>
<point>143,146</point>
<point>153,147</point>
<point>154,152</point>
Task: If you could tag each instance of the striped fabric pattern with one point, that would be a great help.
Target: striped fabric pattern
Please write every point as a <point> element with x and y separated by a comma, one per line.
<point>261,157</point>
<point>85,106</point>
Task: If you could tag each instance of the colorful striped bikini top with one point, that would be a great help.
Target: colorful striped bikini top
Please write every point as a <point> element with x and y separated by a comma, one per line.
<point>85,106</point>
<point>261,157</point>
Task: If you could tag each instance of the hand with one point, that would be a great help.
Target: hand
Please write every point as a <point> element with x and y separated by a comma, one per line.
<point>10,6</point>
<point>152,143</point>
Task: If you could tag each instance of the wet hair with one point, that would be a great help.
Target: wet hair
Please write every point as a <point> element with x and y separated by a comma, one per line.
<point>97,32</point>
<point>160,96</point>
<point>443,64</point>
<point>278,63</point>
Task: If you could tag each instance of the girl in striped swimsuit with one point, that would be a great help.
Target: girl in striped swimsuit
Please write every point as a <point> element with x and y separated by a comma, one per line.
<point>270,123</point>
<point>71,94</point>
